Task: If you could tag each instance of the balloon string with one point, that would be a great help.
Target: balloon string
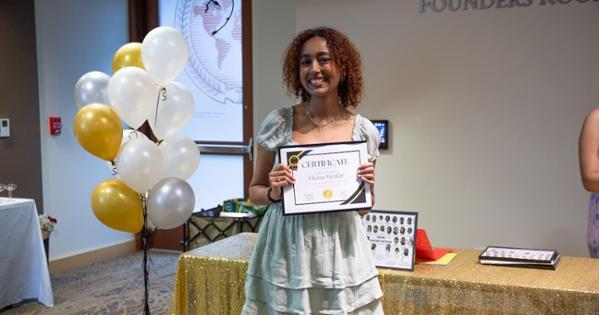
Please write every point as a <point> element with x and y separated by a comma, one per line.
<point>114,171</point>
<point>146,243</point>
<point>163,92</point>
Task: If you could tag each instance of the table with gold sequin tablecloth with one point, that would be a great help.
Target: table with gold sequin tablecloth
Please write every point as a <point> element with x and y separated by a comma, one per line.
<point>210,280</point>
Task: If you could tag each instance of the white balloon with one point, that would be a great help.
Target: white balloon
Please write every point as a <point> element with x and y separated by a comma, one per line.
<point>128,135</point>
<point>181,157</point>
<point>164,52</point>
<point>132,95</point>
<point>173,113</point>
<point>140,164</point>
<point>92,87</point>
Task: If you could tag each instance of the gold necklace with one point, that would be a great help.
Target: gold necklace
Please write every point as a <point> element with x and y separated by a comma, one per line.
<point>321,124</point>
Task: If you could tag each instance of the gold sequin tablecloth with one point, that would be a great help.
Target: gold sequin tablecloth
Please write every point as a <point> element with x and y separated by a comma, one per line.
<point>210,280</point>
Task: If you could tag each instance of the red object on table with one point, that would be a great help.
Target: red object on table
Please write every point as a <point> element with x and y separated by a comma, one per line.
<point>424,250</point>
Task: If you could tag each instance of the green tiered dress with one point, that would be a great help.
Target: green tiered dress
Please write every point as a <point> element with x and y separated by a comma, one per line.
<point>314,263</point>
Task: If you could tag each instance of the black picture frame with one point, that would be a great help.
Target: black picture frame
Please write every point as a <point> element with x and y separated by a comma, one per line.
<point>383,127</point>
<point>375,238</point>
<point>487,258</point>
<point>308,146</point>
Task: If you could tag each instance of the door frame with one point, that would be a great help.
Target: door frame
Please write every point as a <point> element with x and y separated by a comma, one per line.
<point>143,17</point>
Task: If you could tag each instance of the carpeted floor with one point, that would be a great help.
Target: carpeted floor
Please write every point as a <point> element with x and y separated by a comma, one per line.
<point>110,287</point>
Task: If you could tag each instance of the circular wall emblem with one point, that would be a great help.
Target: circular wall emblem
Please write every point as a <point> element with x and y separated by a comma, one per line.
<point>215,61</point>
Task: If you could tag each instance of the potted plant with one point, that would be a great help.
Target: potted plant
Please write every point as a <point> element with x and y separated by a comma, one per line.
<point>47,223</point>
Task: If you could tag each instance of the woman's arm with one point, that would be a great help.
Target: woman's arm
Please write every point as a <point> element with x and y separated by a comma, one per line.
<point>588,147</point>
<point>265,177</point>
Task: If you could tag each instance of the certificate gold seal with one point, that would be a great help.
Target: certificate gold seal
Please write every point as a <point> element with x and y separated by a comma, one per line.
<point>327,194</point>
<point>293,160</point>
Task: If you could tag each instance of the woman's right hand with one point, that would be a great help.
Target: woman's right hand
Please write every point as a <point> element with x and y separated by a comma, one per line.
<point>278,178</point>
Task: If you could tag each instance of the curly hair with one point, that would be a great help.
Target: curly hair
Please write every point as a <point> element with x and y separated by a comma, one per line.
<point>345,57</point>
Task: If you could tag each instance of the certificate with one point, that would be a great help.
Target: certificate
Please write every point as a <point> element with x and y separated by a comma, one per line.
<point>326,177</point>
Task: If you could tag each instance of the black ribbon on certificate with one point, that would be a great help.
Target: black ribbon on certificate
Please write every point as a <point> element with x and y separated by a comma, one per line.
<point>359,196</point>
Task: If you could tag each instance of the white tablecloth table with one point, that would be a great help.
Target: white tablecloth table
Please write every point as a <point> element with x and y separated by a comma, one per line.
<point>23,268</point>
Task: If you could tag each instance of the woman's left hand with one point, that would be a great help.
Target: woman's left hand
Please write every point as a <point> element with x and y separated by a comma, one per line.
<point>366,173</point>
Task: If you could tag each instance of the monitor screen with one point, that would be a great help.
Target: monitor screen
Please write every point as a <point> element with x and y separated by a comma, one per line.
<point>383,127</point>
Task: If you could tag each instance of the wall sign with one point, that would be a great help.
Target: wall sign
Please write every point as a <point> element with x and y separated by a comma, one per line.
<point>437,6</point>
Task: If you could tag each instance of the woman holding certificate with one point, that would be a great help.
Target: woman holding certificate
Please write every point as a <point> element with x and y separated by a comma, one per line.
<point>319,262</point>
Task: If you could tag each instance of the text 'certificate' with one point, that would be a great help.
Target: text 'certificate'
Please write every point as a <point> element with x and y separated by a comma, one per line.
<point>326,177</point>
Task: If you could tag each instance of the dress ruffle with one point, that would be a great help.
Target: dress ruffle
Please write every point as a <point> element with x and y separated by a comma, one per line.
<point>268,298</point>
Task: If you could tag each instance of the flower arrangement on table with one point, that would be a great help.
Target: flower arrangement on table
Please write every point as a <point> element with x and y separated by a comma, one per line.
<point>47,223</point>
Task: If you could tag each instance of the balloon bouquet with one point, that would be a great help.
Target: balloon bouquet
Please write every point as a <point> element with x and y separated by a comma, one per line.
<point>151,182</point>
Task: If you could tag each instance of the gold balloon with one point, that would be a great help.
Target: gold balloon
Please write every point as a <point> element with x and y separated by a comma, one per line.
<point>98,129</point>
<point>117,206</point>
<point>129,55</point>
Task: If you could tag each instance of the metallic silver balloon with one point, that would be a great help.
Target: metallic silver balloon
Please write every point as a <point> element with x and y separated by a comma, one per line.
<point>92,87</point>
<point>170,203</point>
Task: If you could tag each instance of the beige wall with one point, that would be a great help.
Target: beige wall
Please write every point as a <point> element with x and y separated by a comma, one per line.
<point>485,108</point>
<point>273,27</point>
